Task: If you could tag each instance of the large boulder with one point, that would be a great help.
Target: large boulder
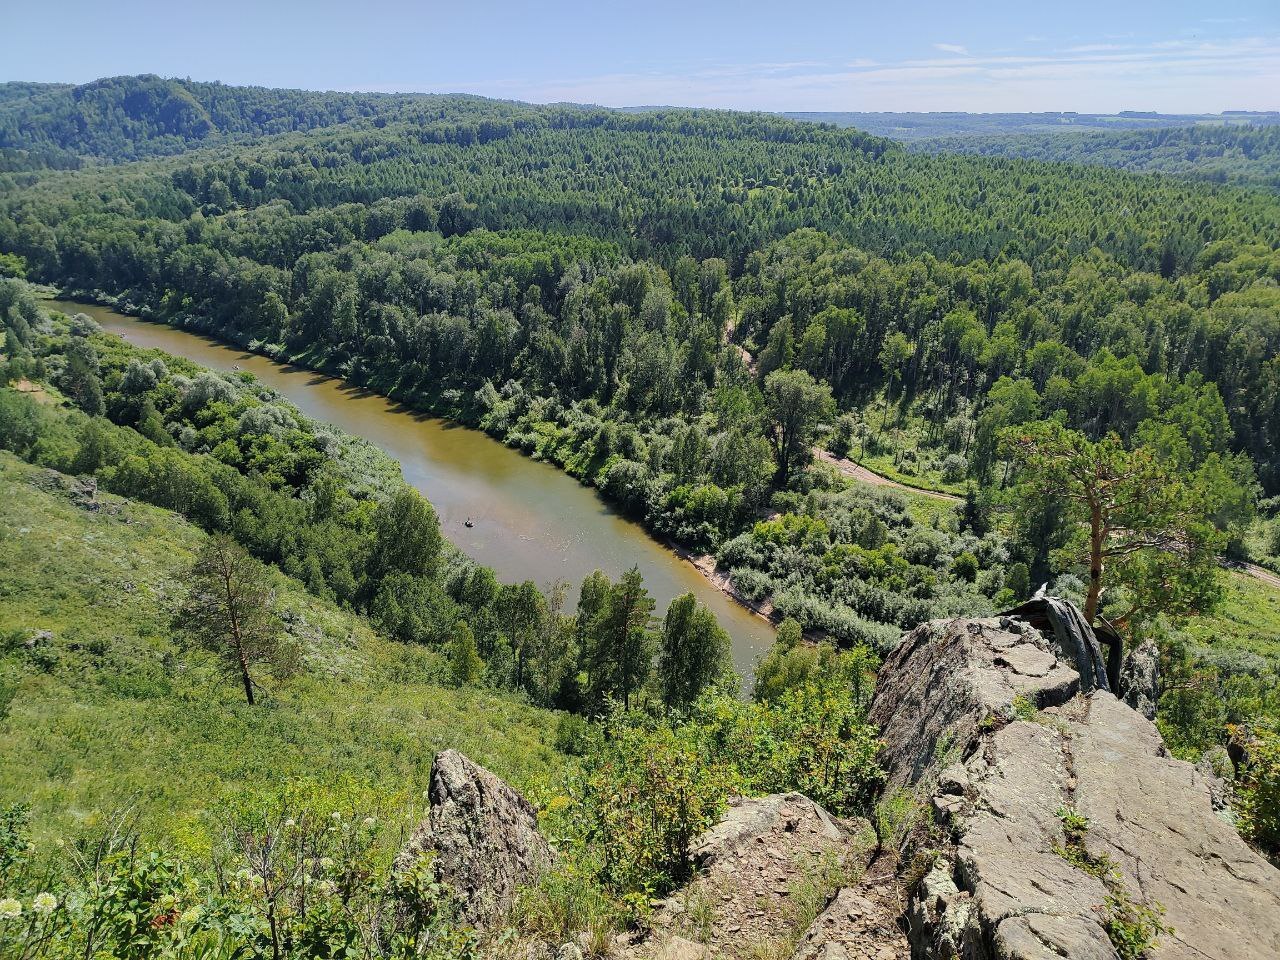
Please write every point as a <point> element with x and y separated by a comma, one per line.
<point>481,835</point>
<point>1057,804</point>
<point>1140,679</point>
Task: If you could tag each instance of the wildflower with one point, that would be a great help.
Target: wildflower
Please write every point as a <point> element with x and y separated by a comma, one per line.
<point>328,887</point>
<point>291,822</point>
<point>10,909</point>
<point>44,903</point>
<point>368,821</point>
<point>191,914</point>
<point>336,815</point>
<point>326,863</point>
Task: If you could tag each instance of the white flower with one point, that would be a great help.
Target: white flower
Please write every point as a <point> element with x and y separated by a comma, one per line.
<point>336,815</point>
<point>326,863</point>
<point>291,822</point>
<point>10,909</point>
<point>368,821</point>
<point>328,887</point>
<point>192,914</point>
<point>44,903</point>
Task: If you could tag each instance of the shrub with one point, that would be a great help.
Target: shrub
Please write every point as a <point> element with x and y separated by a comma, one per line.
<point>1258,790</point>
<point>954,468</point>
<point>965,567</point>
<point>812,738</point>
<point>647,792</point>
<point>751,583</point>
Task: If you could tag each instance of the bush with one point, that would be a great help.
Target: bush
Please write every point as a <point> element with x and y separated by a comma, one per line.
<point>954,468</point>
<point>1258,790</point>
<point>813,738</point>
<point>751,583</point>
<point>965,567</point>
<point>647,792</point>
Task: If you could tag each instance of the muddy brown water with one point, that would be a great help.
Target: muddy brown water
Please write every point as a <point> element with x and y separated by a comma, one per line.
<point>530,520</point>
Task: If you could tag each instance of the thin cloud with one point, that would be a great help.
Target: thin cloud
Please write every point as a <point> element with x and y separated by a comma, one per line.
<point>951,48</point>
<point>1096,47</point>
<point>1171,76</point>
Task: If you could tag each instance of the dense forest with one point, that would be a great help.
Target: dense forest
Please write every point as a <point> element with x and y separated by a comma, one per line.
<point>1222,153</point>
<point>127,118</point>
<point>709,317</point>
<point>912,127</point>
<point>1239,147</point>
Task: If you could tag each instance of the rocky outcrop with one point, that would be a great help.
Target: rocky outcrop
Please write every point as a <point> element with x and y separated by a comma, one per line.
<point>858,924</point>
<point>1057,806</point>
<point>481,837</point>
<point>764,857</point>
<point>1140,679</point>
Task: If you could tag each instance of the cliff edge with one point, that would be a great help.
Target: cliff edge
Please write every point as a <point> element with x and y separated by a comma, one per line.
<point>1067,828</point>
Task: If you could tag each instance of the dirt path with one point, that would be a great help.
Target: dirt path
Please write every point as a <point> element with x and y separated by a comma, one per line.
<point>860,473</point>
<point>856,471</point>
<point>1261,574</point>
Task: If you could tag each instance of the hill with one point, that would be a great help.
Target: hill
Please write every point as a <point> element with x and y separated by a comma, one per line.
<point>126,118</point>
<point>104,710</point>
<point>1222,153</point>
<point>910,127</point>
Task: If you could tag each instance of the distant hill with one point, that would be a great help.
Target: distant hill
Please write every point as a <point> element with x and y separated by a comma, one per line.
<point>1234,147</point>
<point>129,118</point>
<point>909,127</point>
<point>1247,155</point>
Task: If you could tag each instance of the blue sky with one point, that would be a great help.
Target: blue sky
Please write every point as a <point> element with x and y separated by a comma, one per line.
<point>1172,56</point>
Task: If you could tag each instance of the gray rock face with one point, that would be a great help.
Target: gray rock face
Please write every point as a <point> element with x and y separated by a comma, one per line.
<point>483,837</point>
<point>1002,785</point>
<point>1140,679</point>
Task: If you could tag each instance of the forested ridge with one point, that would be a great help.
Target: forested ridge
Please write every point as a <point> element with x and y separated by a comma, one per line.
<point>1223,153</point>
<point>677,307</point>
<point>127,118</point>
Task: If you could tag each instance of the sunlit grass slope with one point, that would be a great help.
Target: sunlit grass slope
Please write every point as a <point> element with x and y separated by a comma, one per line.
<point>101,708</point>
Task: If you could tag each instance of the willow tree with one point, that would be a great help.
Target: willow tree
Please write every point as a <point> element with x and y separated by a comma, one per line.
<point>1137,522</point>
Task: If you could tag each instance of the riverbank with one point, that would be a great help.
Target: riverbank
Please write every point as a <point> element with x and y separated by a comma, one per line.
<point>531,519</point>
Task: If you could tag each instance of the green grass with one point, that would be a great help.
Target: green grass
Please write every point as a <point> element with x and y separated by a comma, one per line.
<point>109,711</point>
<point>1248,618</point>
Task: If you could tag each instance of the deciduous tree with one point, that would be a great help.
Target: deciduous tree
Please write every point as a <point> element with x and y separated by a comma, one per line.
<point>794,403</point>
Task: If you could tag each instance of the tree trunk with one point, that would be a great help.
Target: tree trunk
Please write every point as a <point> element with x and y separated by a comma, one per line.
<point>247,680</point>
<point>1095,563</point>
<point>237,641</point>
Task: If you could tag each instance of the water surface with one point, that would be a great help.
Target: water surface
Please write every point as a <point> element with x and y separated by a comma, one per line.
<point>530,520</point>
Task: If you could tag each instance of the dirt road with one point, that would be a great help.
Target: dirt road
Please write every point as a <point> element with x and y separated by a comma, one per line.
<point>860,473</point>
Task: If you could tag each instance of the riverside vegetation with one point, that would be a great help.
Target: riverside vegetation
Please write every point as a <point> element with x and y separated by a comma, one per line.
<point>675,307</point>
<point>322,740</point>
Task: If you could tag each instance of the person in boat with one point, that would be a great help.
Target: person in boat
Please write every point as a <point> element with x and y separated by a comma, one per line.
<point>468,523</point>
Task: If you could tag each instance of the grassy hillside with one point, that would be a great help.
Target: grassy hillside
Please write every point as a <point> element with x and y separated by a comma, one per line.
<point>102,708</point>
<point>1247,619</point>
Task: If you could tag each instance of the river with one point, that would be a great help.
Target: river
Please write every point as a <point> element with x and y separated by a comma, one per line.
<point>531,520</point>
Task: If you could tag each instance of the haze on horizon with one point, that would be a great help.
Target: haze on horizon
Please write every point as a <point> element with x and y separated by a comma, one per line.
<point>1173,57</point>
